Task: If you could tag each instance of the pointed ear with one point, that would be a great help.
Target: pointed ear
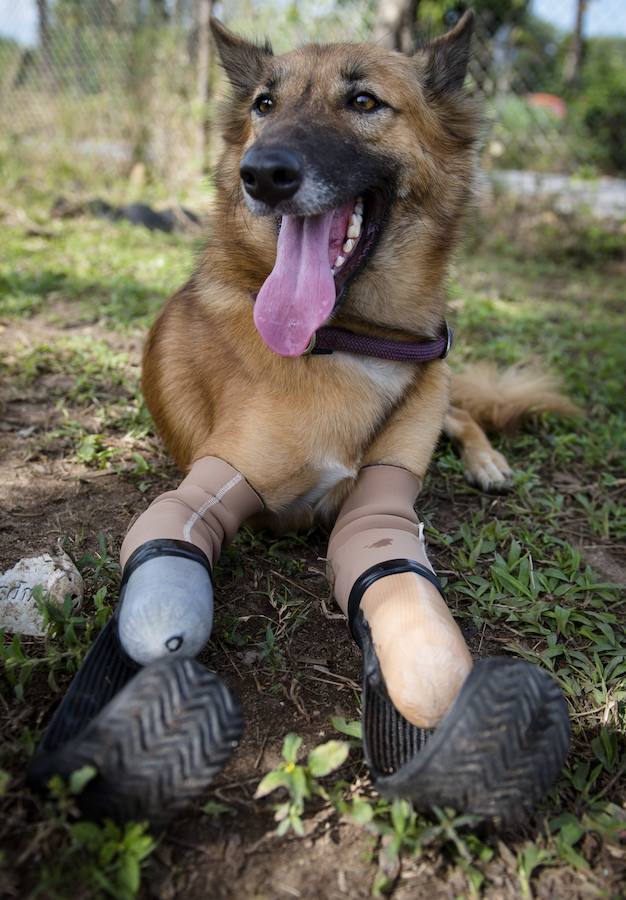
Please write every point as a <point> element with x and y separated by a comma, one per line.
<point>445,59</point>
<point>242,60</point>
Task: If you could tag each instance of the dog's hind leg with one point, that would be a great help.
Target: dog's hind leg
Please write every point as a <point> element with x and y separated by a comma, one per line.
<point>483,466</point>
<point>483,396</point>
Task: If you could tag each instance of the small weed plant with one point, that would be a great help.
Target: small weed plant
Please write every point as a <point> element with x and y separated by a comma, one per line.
<point>301,780</point>
<point>69,636</point>
<point>83,858</point>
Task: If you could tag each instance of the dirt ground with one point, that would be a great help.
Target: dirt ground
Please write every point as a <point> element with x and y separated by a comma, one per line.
<point>284,648</point>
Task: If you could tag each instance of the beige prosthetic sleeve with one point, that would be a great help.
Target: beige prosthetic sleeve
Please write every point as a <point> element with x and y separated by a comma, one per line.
<point>422,654</point>
<point>206,510</point>
<point>167,593</point>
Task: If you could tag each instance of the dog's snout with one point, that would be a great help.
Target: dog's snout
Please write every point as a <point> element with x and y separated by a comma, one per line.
<point>271,174</point>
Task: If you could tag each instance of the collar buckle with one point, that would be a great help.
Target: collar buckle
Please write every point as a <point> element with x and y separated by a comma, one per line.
<point>449,341</point>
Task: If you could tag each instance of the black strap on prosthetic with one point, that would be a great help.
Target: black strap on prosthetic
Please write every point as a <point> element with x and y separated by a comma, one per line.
<point>380,570</point>
<point>164,547</point>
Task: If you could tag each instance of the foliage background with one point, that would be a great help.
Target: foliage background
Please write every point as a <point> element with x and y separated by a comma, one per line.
<point>116,84</point>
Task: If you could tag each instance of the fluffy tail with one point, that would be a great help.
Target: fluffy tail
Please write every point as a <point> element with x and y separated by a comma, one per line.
<point>500,399</point>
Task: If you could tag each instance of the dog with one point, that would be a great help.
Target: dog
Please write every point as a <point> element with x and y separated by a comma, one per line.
<point>337,122</point>
<point>300,374</point>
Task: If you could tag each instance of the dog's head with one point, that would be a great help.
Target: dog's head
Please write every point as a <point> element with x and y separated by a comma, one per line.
<point>341,150</point>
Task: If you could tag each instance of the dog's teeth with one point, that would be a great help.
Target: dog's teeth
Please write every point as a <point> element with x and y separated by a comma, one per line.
<point>348,247</point>
<point>354,227</point>
<point>358,206</point>
<point>339,262</point>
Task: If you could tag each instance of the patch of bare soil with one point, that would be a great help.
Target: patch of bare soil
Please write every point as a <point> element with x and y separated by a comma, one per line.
<point>44,493</point>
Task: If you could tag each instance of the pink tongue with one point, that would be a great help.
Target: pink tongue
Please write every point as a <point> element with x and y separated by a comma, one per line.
<point>299,294</point>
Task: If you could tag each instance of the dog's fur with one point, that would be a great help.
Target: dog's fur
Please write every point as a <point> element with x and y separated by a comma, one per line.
<point>300,428</point>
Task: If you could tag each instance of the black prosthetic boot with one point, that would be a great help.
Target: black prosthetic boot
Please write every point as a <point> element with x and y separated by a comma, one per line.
<point>497,751</point>
<point>157,735</point>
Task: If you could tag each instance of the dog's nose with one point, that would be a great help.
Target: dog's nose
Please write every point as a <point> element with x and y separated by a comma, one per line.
<point>271,174</point>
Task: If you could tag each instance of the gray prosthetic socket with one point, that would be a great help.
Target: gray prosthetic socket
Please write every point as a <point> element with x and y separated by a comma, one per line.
<point>167,609</point>
<point>167,604</point>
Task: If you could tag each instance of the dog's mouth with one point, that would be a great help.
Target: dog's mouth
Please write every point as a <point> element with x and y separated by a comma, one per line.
<point>316,257</point>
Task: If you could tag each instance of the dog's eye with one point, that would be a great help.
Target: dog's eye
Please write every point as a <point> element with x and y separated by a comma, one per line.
<point>263,104</point>
<point>365,103</point>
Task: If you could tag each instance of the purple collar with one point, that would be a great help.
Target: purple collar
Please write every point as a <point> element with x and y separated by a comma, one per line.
<point>330,340</point>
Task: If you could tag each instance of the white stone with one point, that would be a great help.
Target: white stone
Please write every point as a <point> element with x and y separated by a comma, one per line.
<point>56,575</point>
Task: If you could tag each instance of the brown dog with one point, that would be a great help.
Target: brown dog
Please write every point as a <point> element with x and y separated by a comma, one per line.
<point>340,194</point>
<point>301,428</point>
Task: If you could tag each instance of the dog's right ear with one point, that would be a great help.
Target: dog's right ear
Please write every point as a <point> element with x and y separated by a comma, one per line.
<point>242,60</point>
<point>446,58</point>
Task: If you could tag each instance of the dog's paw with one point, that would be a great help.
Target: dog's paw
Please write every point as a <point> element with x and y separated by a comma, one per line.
<point>487,470</point>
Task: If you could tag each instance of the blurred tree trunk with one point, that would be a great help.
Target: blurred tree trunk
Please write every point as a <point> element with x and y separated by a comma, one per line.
<point>203,12</point>
<point>158,9</point>
<point>43,16</point>
<point>139,82</point>
<point>177,14</point>
<point>395,25</point>
<point>575,55</point>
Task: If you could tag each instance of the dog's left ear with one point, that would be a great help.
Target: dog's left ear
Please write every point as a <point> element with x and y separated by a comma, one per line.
<point>445,59</point>
<point>242,60</point>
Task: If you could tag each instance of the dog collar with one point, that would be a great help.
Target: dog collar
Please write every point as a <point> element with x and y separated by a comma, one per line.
<point>340,340</point>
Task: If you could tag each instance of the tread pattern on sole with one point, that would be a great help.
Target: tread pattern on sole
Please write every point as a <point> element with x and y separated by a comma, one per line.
<point>496,753</point>
<point>156,745</point>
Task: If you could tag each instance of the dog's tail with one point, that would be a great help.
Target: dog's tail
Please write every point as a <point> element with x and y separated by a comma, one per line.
<point>500,399</point>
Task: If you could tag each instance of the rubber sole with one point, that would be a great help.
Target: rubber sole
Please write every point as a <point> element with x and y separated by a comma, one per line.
<point>156,745</point>
<point>496,753</point>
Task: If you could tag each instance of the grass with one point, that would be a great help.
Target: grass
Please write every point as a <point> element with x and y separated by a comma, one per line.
<point>110,275</point>
<point>535,573</point>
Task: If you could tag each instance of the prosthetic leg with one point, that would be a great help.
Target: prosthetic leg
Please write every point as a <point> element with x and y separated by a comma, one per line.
<point>155,724</point>
<point>488,739</point>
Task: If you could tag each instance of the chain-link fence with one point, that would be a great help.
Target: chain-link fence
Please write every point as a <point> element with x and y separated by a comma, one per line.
<point>108,85</point>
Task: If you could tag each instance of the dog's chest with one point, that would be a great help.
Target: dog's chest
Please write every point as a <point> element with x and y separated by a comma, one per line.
<point>330,472</point>
<point>386,382</point>
<point>388,378</point>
